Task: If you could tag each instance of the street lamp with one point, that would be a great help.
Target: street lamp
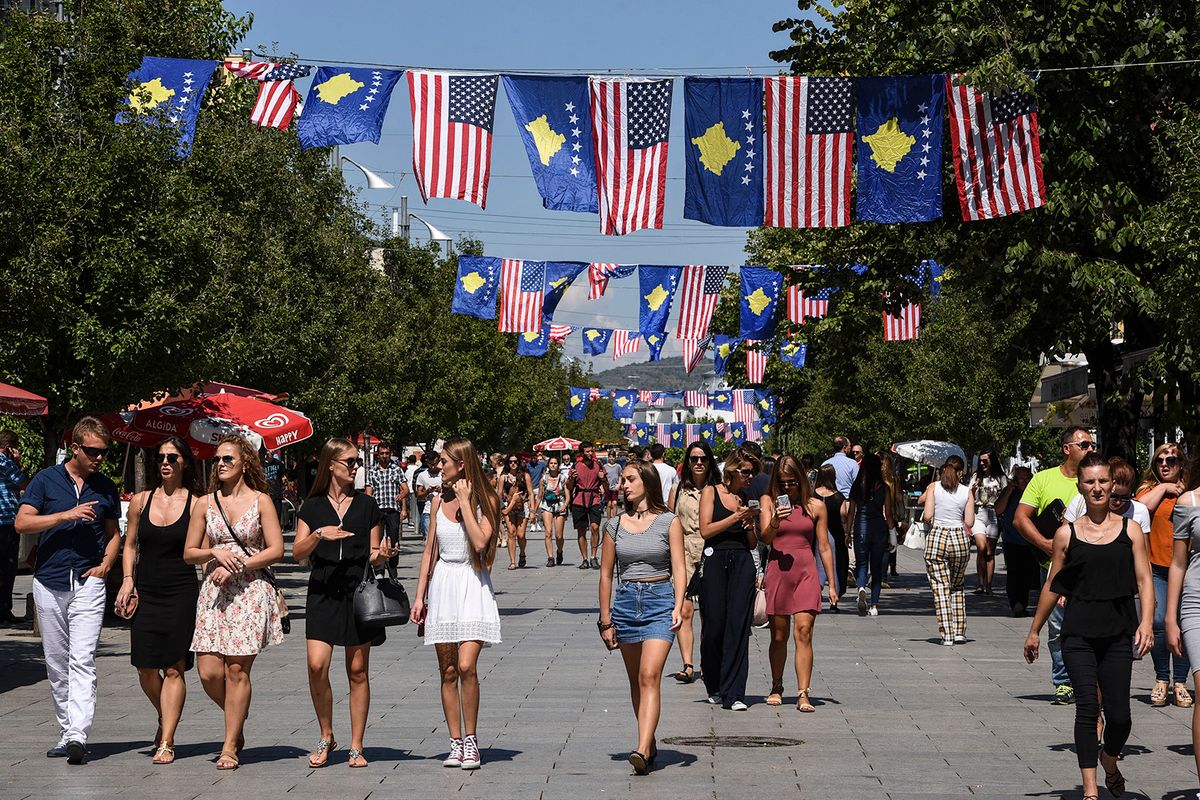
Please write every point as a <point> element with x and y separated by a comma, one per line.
<point>373,180</point>
<point>401,226</point>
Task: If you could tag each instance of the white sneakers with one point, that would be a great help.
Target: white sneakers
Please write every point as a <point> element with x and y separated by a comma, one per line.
<point>738,705</point>
<point>873,611</point>
<point>714,700</point>
<point>947,641</point>
<point>456,754</point>
<point>470,756</point>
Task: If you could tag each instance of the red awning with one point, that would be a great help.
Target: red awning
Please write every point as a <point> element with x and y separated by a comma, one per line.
<point>20,403</point>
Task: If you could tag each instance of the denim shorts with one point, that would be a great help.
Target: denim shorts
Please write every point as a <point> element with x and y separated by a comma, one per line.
<point>642,610</point>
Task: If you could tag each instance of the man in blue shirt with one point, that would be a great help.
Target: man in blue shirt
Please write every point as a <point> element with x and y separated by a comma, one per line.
<point>845,466</point>
<point>73,510</point>
<point>12,482</point>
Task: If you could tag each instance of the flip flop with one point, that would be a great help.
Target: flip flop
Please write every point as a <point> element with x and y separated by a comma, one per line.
<point>324,748</point>
<point>163,754</point>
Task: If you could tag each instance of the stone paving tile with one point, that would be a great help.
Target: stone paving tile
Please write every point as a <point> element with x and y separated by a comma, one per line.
<point>898,716</point>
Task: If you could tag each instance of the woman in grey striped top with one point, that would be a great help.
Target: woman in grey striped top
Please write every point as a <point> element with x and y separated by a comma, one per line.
<point>645,547</point>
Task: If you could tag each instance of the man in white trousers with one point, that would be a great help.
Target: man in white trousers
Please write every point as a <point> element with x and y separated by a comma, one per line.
<point>73,510</point>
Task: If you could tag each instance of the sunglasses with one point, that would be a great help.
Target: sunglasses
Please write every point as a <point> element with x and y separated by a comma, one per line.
<point>94,452</point>
<point>167,458</point>
<point>1121,498</point>
<point>789,484</point>
<point>351,463</point>
<point>744,471</point>
<point>226,459</point>
<point>1084,445</point>
<point>1168,461</point>
<point>514,461</point>
<point>697,459</point>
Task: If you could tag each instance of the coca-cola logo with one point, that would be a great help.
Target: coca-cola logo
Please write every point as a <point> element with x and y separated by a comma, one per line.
<point>276,420</point>
<point>176,411</point>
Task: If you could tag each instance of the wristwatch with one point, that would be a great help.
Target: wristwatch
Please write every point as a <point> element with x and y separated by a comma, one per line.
<point>318,532</point>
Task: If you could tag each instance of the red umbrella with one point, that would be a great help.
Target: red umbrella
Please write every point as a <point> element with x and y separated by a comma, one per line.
<point>20,403</point>
<point>558,443</point>
<point>204,420</point>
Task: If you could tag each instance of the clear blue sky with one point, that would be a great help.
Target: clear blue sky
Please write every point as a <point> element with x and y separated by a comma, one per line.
<point>620,35</point>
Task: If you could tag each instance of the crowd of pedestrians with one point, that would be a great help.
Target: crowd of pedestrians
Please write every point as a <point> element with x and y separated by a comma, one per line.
<point>750,539</point>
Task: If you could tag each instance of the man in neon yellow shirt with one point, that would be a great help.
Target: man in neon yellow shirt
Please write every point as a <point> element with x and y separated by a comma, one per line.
<point>1048,485</point>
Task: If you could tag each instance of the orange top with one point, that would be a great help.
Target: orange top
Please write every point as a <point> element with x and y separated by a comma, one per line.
<point>1162,532</point>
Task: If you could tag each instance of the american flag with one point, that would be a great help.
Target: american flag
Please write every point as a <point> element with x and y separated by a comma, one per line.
<point>452,133</point>
<point>702,286</point>
<point>600,274</point>
<point>810,141</point>
<point>630,122</point>
<point>277,96</point>
<point>756,362</point>
<point>625,342</point>
<point>693,353</point>
<point>645,396</point>
<point>903,326</point>
<point>802,305</point>
<point>594,394</point>
<point>522,291</point>
<point>559,333</point>
<point>997,155</point>
<point>695,399</point>
<point>744,408</point>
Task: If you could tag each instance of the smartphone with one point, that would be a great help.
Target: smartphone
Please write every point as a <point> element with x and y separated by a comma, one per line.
<point>783,501</point>
<point>752,504</point>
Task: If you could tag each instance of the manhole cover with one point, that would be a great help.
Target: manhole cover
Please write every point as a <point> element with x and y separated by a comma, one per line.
<point>733,741</point>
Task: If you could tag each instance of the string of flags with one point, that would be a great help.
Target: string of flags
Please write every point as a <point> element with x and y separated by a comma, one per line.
<point>776,151</point>
<point>747,405</point>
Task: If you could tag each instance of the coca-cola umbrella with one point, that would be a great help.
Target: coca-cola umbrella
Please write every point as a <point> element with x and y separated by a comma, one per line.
<point>17,402</point>
<point>557,443</point>
<point>204,420</point>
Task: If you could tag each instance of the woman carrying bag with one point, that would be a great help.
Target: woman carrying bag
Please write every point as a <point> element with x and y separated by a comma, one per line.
<point>338,534</point>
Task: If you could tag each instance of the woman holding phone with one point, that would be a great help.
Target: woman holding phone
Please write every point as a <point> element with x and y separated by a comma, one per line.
<point>552,503</point>
<point>793,524</point>
<point>645,545</point>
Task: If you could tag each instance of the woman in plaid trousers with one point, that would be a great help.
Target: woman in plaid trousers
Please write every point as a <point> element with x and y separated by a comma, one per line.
<point>950,509</point>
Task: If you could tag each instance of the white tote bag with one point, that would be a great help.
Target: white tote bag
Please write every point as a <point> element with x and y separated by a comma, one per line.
<point>915,538</point>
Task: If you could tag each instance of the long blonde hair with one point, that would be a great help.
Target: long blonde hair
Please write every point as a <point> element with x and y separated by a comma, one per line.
<point>483,495</point>
<point>1150,477</point>
<point>332,449</point>
<point>253,474</point>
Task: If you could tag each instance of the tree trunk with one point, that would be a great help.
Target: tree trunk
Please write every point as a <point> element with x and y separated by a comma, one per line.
<point>1116,419</point>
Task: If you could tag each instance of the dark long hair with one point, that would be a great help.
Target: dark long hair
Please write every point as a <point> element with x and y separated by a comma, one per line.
<point>790,466</point>
<point>712,475</point>
<point>332,449</point>
<point>994,468</point>
<point>651,485</point>
<point>870,478</point>
<point>827,477</point>
<point>191,476</point>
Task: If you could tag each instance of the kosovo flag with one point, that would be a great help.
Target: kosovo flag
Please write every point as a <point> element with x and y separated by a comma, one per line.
<point>760,299</point>
<point>623,402</point>
<point>900,148</point>
<point>534,343</point>
<point>655,341</point>
<point>658,285</point>
<point>935,276</point>
<point>555,122</point>
<point>737,433</point>
<point>346,105</point>
<point>676,433</point>
<point>595,340</point>
<point>642,434</point>
<point>764,399</point>
<point>708,432</point>
<point>476,285</point>
<point>721,400</point>
<point>723,347</point>
<point>724,122</point>
<point>577,403</point>
<point>168,90</point>
<point>793,353</point>
<point>559,275</point>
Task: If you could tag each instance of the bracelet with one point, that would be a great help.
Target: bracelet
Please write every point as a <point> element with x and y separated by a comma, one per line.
<point>603,626</point>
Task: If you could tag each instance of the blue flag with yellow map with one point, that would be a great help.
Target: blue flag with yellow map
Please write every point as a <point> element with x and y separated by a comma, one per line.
<point>534,343</point>
<point>723,347</point>
<point>764,399</point>
<point>168,91</point>
<point>708,432</point>
<point>555,121</point>
<point>900,148</point>
<point>721,400</point>
<point>595,340</point>
<point>676,434</point>
<point>475,287</point>
<point>737,433</point>
<point>724,123</point>
<point>655,342</point>
<point>577,403</point>
<point>657,290</point>
<point>793,353</point>
<point>641,433</point>
<point>346,105</point>
<point>559,275</point>
<point>623,402</point>
<point>760,299</point>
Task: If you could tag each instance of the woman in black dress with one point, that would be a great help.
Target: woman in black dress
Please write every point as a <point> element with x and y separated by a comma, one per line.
<point>159,589</point>
<point>337,533</point>
<point>835,505</point>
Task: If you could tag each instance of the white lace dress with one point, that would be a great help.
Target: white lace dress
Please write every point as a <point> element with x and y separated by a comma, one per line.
<point>461,606</point>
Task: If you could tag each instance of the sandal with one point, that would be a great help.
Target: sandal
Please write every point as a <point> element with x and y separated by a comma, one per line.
<point>1182,698</point>
<point>1158,695</point>
<point>227,760</point>
<point>356,755</point>
<point>512,566</point>
<point>521,561</point>
<point>1114,780</point>
<point>639,762</point>
<point>802,703</point>
<point>775,698</point>
<point>324,748</point>
<point>687,674</point>
<point>164,754</point>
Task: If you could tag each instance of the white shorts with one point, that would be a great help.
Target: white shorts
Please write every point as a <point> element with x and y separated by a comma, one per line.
<point>986,523</point>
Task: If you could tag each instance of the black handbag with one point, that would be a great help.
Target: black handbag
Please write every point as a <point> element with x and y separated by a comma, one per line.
<point>381,600</point>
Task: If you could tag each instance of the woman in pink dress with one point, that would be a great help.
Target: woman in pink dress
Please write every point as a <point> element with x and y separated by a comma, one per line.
<point>791,518</point>
<point>235,536</point>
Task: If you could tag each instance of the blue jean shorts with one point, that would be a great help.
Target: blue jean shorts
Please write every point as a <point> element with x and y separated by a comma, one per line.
<point>642,610</point>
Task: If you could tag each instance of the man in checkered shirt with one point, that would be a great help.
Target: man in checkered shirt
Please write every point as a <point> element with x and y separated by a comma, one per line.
<point>385,482</point>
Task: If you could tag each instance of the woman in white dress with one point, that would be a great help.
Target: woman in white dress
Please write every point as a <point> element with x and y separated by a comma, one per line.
<point>454,600</point>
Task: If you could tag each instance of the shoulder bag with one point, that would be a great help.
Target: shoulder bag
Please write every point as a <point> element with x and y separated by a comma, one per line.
<point>268,575</point>
<point>381,600</point>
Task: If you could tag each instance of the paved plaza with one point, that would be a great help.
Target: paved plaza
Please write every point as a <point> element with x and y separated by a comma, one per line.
<point>898,715</point>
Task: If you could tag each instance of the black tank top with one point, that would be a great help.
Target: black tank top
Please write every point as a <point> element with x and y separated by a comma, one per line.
<point>733,537</point>
<point>1098,580</point>
<point>160,549</point>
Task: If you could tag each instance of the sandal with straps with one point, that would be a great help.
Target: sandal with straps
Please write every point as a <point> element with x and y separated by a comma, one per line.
<point>802,703</point>
<point>324,748</point>
<point>1114,781</point>
<point>356,755</point>
<point>1158,695</point>
<point>164,754</point>
<point>775,698</point>
<point>227,760</point>
<point>687,674</point>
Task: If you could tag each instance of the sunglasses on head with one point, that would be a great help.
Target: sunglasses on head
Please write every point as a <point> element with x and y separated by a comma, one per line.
<point>168,458</point>
<point>1168,461</point>
<point>351,463</point>
<point>94,452</point>
<point>226,459</point>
